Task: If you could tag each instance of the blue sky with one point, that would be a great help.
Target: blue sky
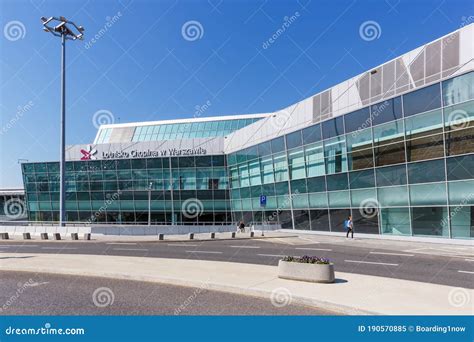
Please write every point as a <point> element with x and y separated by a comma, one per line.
<point>142,66</point>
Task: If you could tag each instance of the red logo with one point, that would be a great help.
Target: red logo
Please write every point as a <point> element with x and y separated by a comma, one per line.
<point>88,153</point>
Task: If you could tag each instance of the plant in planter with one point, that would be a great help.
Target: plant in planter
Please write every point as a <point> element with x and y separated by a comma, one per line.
<point>306,268</point>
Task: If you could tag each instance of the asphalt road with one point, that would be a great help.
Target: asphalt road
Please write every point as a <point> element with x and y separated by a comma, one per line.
<point>72,295</point>
<point>348,257</point>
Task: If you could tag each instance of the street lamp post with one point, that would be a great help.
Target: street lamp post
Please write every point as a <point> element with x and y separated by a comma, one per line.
<point>62,29</point>
<point>149,203</point>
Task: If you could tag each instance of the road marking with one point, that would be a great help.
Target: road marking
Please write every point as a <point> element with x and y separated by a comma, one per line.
<point>314,249</point>
<point>468,259</point>
<point>387,253</point>
<point>120,243</point>
<point>306,239</point>
<point>272,255</point>
<point>244,247</point>
<point>205,252</point>
<point>370,262</point>
<point>466,272</point>
<point>182,244</point>
<point>130,249</point>
<point>58,248</point>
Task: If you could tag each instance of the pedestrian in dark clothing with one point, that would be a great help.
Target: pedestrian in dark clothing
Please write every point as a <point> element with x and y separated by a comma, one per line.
<point>242,227</point>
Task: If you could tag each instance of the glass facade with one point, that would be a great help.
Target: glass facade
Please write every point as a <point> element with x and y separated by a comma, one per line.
<point>404,166</point>
<point>117,191</point>
<point>190,130</point>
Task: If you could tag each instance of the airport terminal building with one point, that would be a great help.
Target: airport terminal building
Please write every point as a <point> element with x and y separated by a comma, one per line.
<point>393,147</point>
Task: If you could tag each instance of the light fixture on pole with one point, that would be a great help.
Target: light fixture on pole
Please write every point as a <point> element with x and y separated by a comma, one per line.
<point>64,29</point>
<point>149,203</point>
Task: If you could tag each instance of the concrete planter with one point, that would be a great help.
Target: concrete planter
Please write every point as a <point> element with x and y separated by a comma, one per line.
<point>315,273</point>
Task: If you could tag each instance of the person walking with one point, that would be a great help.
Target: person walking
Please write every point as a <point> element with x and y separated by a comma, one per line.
<point>349,225</point>
<point>242,227</point>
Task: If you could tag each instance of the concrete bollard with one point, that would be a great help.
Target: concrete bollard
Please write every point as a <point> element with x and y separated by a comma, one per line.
<point>191,236</point>
<point>74,236</point>
<point>44,236</point>
<point>57,236</point>
<point>233,235</point>
<point>252,234</point>
<point>4,236</point>
<point>213,235</point>
<point>26,236</point>
<point>87,236</point>
<point>161,236</point>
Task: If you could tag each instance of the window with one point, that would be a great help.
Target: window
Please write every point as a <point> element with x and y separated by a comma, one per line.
<point>422,100</point>
<point>367,224</point>
<point>314,157</point>
<point>266,165</point>
<point>458,89</point>
<point>389,154</point>
<point>337,182</point>
<point>424,124</point>
<point>462,222</point>
<point>357,120</point>
<point>386,111</point>
<point>392,175</point>
<point>296,163</point>
<point>278,145</point>
<point>428,147</point>
<point>362,179</point>
<point>338,217</point>
<point>316,184</point>
<point>430,221</point>
<point>264,149</point>
<point>333,127</point>
<point>459,168</point>
<point>335,155</point>
<point>311,134</point>
<point>293,140</point>
<point>425,172</point>
<point>395,221</point>
<point>319,220</point>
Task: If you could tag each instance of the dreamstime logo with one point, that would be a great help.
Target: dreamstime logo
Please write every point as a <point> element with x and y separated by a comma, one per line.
<point>14,30</point>
<point>192,30</point>
<point>287,21</point>
<point>192,208</point>
<point>370,30</point>
<point>102,117</point>
<point>369,208</point>
<point>201,109</point>
<point>21,287</point>
<point>281,297</point>
<point>191,298</point>
<point>280,119</point>
<point>14,208</point>
<point>459,297</point>
<point>21,110</point>
<point>109,22</point>
<point>102,297</point>
<point>458,119</point>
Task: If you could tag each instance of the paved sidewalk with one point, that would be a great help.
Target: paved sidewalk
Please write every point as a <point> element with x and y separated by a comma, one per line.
<point>351,294</point>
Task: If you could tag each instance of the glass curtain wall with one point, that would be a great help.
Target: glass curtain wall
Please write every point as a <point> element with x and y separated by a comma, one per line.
<point>404,166</point>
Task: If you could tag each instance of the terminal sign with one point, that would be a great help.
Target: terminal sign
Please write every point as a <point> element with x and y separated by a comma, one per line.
<point>171,152</point>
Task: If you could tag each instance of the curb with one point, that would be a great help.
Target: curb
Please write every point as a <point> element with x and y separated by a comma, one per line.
<point>318,304</point>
